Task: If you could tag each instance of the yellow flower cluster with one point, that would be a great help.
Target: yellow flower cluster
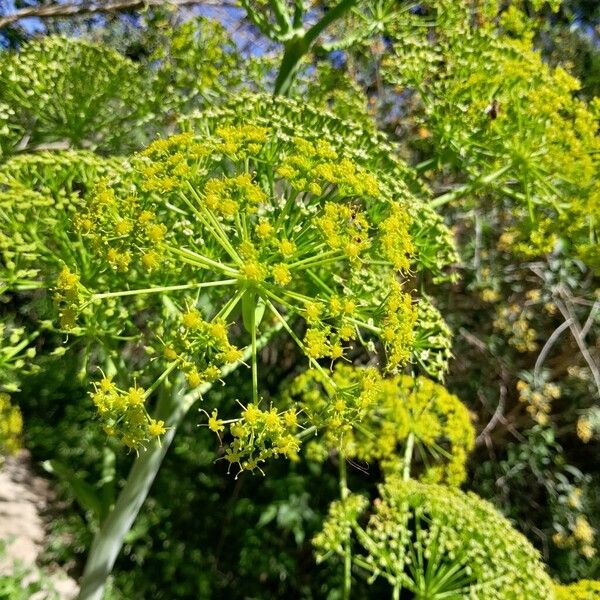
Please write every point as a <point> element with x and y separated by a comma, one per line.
<point>196,208</point>
<point>11,425</point>
<point>122,230</point>
<point>67,297</point>
<point>123,414</point>
<point>242,141</point>
<point>335,403</point>
<point>514,321</point>
<point>584,430</point>
<point>371,417</point>
<point>261,229</point>
<point>228,196</point>
<point>588,425</point>
<point>315,165</point>
<point>200,347</point>
<point>538,399</point>
<point>344,228</point>
<point>580,535</point>
<point>259,435</point>
<point>398,332</point>
<point>584,589</point>
<point>396,244</point>
<point>369,150</point>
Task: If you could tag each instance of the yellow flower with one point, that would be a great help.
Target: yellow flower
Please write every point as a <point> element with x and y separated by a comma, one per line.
<point>123,227</point>
<point>215,424</point>
<point>135,396</point>
<point>192,319</point>
<point>584,430</point>
<point>281,274</point>
<point>151,260</point>
<point>156,428</point>
<point>583,530</point>
<point>193,378</point>
<point>156,232</point>
<point>264,229</point>
<point>170,353</point>
<point>253,271</point>
<point>287,248</point>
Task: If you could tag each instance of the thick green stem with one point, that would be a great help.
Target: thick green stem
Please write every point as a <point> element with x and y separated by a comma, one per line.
<point>347,545</point>
<point>172,408</point>
<point>408,453</point>
<point>295,49</point>
<point>301,42</point>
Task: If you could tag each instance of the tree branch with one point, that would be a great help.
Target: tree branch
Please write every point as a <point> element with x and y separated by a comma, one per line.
<point>73,9</point>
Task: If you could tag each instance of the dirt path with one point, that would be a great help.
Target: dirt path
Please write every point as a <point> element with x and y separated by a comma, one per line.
<point>23,497</point>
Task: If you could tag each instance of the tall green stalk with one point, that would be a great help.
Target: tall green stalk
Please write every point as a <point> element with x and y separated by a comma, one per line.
<point>300,42</point>
<point>108,541</point>
<point>347,586</point>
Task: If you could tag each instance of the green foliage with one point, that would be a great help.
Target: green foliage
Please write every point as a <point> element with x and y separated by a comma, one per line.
<point>534,473</point>
<point>39,195</point>
<point>189,65</point>
<point>16,355</point>
<point>338,92</point>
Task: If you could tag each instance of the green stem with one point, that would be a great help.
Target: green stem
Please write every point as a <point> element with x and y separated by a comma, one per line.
<point>300,43</point>
<point>172,407</point>
<point>347,544</point>
<point>198,259</point>
<point>408,454</point>
<point>295,49</point>
<point>168,288</point>
<point>254,360</point>
<point>298,341</point>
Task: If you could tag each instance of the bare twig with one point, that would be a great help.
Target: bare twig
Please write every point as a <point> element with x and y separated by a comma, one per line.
<point>590,320</point>
<point>497,417</point>
<point>576,331</point>
<point>548,346</point>
<point>73,9</point>
<point>473,340</point>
